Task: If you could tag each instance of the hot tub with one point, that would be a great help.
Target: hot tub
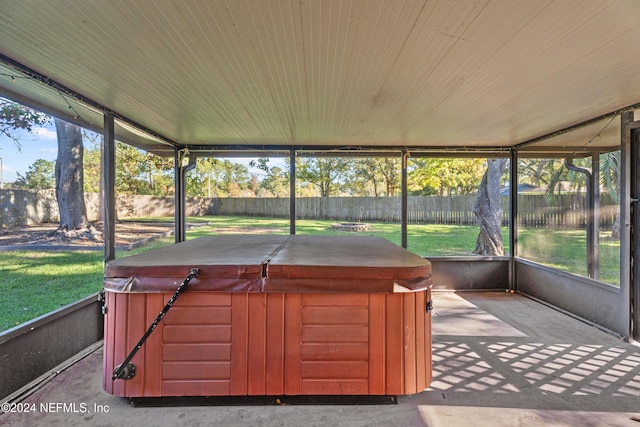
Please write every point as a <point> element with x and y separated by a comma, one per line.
<point>271,315</point>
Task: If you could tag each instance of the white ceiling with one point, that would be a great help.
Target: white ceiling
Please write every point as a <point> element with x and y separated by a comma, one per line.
<point>441,74</point>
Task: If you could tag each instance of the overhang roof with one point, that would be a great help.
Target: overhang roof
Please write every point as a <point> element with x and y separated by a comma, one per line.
<point>440,74</point>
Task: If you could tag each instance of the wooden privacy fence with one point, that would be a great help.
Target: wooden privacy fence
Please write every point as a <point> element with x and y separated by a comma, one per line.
<point>21,207</point>
<point>533,210</point>
<point>564,211</point>
<point>25,207</point>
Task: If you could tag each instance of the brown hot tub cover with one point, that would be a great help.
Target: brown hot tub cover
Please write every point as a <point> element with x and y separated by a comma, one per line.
<point>274,263</point>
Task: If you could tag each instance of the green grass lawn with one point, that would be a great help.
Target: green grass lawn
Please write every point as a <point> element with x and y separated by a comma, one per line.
<point>566,250</point>
<point>423,239</point>
<point>558,248</point>
<point>34,283</point>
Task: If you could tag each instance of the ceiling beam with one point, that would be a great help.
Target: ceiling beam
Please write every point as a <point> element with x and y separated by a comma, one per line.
<point>577,126</point>
<point>102,109</point>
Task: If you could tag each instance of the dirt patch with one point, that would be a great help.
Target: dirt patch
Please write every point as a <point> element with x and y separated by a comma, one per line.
<point>249,230</point>
<point>126,234</point>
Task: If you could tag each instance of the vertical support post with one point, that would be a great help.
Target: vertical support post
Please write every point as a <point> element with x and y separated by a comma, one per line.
<point>627,264</point>
<point>405,199</point>
<point>513,218</point>
<point>594,209</point>
<point>635,234</point>
<point>589,225</point>
<point>292,191</point>
<point>181,190</point>
<point>180,220</point>
<point>109,184</point>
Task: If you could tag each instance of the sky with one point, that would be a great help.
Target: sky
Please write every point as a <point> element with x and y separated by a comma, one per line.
<point>42,143</point>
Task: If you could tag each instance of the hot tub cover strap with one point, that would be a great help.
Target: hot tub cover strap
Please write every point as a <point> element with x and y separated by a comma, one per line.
<point>127,370</point>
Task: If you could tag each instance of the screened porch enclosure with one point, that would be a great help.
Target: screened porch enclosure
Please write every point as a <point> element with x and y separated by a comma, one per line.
<point>409,80</point>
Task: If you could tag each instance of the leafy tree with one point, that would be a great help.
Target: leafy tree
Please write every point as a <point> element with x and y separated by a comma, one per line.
<point>328,174</point>
<point>235,179</point>
<point>92,162</point>
<point>15,117</point>
<point>377,176</point>
<point>445,176</point>
<point>39,176</point>
<point>610,176</point>
<point>160,174</point>
<point>557,178</point>
<point>389,170</point>
<point>276,181</point>
<point>536,172</point>
<point>130,170</point>
<point>220,178</point>
<point>254,184</point>
<point>552,174</point>
<point>204,181</point>
<point>139,172</point>
<point>68,167</point>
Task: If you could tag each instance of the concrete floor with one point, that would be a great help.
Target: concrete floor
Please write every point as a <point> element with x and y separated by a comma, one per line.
<point>499,359</point>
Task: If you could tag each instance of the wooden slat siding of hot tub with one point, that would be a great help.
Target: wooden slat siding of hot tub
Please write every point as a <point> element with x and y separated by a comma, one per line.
<point>422,357</point>
<point>240,346</point>
<point>293,338</point>
<point>265,355</point>
<point>377,351</point>
<point>408,343</point>
<point>120,350</point>
<point>410,347</point>
<point>109,338</point>
<point>257,334</point>
<point>334,349</point>
<point>136,329</point>
<point>275,355</point>
<point>197,346</point>
<point>428,356</point>
<point>124,326</point>
<point>153,357</point>
<point>394,352</point>
<point>416,324</point>
<point>271,344</point>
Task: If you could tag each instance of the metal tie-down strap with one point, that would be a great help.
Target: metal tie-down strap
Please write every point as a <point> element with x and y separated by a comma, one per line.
<point>127,370</point>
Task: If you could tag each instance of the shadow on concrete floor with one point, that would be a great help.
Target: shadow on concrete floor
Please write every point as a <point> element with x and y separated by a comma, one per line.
<point>499,359</point>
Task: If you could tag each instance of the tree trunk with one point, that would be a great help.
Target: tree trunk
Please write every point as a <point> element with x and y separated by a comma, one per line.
<point>69,178</point>
<point>488,210</point>
<point>615,228</point>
